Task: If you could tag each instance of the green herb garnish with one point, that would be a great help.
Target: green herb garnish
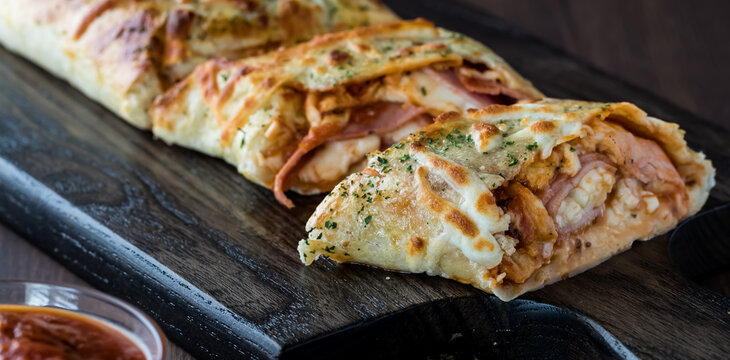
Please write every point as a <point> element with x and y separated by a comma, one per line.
<point>513,160</point>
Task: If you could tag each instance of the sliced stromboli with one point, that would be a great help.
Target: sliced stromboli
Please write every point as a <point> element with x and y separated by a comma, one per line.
<point>123,53</point>
<point>511,198</point>
<point>304,117</point>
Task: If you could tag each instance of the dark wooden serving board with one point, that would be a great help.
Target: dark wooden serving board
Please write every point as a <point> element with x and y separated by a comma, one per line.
<point>212,257</point>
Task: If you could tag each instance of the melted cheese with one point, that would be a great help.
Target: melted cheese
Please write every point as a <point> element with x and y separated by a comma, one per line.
<point>494,221</point>
<point>483,140</point>
<point>401,132</point>
<point>334,159</point>
<point>420,88</point>
<point>540,128</point>
<point>651,201</point>
<point>590,193</point>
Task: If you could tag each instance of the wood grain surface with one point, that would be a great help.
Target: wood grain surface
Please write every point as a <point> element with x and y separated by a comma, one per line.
<point>96,185</point>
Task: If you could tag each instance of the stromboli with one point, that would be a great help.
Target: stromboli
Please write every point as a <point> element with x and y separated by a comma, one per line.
<point>478,198</point>
<point>123,53</point>
<point>270,115</point>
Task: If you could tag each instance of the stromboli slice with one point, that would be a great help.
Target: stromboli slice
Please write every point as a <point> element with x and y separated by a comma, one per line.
<point>123,53</point>
<point>511,198</point>
<point>304,117</point>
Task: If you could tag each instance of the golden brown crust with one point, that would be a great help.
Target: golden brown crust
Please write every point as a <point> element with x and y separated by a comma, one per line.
<point>179,24</point>
<point>448,116</point>
<point>484,131</point>
<point>542,127</point>
<point>125,52</point>
<point>491,110</point>
<point>416,245</point>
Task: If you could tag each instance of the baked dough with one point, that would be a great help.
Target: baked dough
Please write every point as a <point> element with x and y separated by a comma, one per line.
<point>304,117</point>
<point>123,53</point>
<point>511,198</point>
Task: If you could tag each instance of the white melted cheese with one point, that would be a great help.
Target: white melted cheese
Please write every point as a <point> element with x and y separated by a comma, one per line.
<point>546,141</point>
<point>485,143</point>
<point>335,158</point>
<point>496,221</point>
<point>422,89</point>
<point>625,201</point>
<point>401,132</point>
<point>590,193</point>
<point>651,201</point>
<point>507,243</point>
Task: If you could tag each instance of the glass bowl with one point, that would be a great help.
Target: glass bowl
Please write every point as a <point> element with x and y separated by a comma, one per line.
<point>95,304</point>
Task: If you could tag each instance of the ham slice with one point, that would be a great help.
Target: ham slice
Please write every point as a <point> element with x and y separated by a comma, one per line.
<point>451,80</point>
<point>586,218</point>
<point>478,89</point>
<point>378,118</point>
<point>281,176</point>
<point>646,161</point>
<point>641,158</point>
<point>559,189</point>
<point>316,137</point>
<point>482,85</point>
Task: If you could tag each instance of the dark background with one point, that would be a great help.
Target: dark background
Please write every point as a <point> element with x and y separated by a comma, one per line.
<point>676,49</point>
<point>679,50</point>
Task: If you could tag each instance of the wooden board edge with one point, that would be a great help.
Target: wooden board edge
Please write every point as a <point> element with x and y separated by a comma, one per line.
<point>93,252</point>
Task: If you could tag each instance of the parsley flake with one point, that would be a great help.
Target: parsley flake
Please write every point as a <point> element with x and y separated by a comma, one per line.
<point>243,138</point>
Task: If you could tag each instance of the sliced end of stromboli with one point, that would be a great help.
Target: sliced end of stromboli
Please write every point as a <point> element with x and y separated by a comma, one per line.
<point>511,198</point>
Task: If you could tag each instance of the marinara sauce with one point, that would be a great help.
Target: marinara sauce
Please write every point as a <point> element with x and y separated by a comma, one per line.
<point>33,332</point>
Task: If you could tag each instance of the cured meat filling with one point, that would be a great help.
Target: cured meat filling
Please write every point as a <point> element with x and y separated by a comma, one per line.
<point>348,122</point>
<point>552,201</point>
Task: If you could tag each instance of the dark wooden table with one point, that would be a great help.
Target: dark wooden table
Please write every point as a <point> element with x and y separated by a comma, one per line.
<point>673,48</point>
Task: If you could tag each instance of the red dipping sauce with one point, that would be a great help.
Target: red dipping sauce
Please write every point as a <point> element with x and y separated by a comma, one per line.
<point>34,332</point>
